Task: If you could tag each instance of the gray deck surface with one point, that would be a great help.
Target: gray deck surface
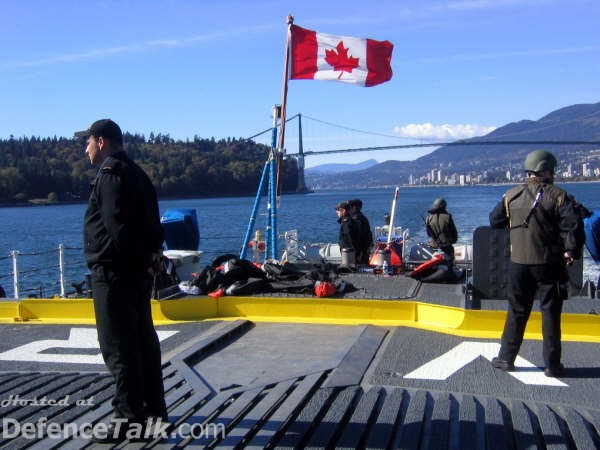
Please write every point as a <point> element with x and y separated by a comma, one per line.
<point>272,385</point>
<point>402,287</point>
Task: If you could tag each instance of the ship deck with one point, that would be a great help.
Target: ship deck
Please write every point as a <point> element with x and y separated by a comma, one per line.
<point>395,364</point>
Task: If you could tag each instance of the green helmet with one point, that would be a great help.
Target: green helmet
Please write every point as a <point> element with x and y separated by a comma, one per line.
<point>540,160</point>
<point>439,203</point>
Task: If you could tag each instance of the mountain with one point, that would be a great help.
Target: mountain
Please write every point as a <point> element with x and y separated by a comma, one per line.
<point>335,168</point>
<point>489,162</point>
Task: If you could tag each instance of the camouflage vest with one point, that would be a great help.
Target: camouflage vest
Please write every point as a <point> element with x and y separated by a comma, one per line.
<point>532,210</point>
<point>439,224</point>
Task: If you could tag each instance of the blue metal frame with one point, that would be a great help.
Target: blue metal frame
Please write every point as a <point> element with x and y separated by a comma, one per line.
<point>270,168</point>
<point>252,220</point>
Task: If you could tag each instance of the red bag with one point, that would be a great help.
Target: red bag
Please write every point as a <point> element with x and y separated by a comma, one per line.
<point>324,289</point>
<point>217,294</point>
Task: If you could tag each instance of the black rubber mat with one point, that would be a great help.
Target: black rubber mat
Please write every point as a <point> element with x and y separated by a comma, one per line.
<point>328,407</point>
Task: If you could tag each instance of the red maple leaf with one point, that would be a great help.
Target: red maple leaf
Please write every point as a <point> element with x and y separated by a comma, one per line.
<point>340,60</point>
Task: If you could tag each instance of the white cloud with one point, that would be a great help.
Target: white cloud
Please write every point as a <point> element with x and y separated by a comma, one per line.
<point>430,131</point>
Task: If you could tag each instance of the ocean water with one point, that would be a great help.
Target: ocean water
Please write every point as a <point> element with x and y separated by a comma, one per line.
<point>36,232</point>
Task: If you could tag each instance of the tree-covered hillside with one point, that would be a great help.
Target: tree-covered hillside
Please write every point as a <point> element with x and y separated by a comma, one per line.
<point>58,168</point>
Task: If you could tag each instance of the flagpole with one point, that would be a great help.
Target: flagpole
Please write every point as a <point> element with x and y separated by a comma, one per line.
<point>286,65</point>
<point>275,181</point>
<point>281,142</point>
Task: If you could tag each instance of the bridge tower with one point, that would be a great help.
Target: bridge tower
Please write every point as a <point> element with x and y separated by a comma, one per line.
<point>301,188</point>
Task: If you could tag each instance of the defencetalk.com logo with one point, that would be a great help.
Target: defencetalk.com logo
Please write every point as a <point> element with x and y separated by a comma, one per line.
<point>151,429</point>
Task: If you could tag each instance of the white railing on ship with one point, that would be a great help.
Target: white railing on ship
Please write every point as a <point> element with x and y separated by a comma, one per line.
<point>15,254</point>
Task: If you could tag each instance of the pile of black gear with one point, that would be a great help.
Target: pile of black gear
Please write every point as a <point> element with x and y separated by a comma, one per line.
<point>230,275</point>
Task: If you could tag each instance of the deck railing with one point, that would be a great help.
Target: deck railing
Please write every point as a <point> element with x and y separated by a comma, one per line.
<point>49,276</point>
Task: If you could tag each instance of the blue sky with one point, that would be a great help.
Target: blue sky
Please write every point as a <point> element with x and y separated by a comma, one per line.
<point>214,68</point>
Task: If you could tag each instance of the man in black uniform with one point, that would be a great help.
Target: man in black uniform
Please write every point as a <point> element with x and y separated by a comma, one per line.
<point>348,231</point>
<point>543,223</point>
<point>364,235</point>
<point>441,229</point>
<point>123,245</point>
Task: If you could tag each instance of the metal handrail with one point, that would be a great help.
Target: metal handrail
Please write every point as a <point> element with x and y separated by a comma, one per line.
<point>17,274</point>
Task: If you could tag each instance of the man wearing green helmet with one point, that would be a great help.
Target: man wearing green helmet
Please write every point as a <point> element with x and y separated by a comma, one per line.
<point>542,223</point>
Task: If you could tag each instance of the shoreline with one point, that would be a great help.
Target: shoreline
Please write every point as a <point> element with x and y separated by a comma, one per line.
<point>39,203</point>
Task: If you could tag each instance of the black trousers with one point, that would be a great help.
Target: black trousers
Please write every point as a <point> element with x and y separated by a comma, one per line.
<point>525,282</point>
<point>362,256</point>
<point>449,252</point>
<point>129,342</point>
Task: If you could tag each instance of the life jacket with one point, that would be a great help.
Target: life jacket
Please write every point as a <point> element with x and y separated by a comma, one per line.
<point>441,229</point>
<point>533,214</point>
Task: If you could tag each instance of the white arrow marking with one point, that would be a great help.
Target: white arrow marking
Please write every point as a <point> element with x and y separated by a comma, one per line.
<point>78,338</point>
<point>442,367</point>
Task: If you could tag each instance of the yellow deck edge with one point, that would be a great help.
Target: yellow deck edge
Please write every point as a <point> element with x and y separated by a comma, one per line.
<point>426,316</point>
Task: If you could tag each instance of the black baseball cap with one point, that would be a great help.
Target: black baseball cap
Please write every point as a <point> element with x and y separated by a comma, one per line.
<point>105,128</point>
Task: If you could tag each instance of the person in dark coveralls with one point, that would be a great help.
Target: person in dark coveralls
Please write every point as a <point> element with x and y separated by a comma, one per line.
<point>123,246</point>
<point>364,240</point>
<point>348,231</point>
<point>441,229</point>
<point>543,223</point>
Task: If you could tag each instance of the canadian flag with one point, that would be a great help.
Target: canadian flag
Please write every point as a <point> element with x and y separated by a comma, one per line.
<point>321,56</point>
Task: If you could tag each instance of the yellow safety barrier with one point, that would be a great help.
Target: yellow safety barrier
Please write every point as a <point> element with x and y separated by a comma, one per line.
<point>9,311</point>
<point>426,316</point>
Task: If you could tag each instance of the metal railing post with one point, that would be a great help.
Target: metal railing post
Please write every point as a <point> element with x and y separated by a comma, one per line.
<point>14,255</point>
<point>61,265</point>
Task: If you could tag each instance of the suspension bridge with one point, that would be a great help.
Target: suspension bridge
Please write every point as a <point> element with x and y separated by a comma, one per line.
<point>310,137</point>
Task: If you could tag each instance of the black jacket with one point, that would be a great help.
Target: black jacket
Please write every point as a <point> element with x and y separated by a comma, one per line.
<point>122,223</point>
<point>348,233</point>
<point>364,235</point>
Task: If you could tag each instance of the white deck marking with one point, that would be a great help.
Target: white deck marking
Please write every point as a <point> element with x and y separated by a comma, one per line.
<point>442,367</point>
<point>78,338</point>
